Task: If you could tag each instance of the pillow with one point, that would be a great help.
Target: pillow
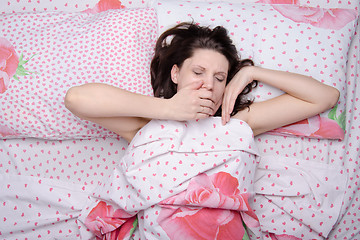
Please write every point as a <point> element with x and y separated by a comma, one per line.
<point>68,6</point>
<point>13,6</point>
<point>310,41</point>
<point>353,4</point>
<point>54,51</point>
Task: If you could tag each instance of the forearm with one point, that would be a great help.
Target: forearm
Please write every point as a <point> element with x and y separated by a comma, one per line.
<point>297,85</point>
<point>101,100</point>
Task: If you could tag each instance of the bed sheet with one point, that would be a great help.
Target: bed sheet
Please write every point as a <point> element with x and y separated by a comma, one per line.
<point>86,162</point>
<point>89,162</point>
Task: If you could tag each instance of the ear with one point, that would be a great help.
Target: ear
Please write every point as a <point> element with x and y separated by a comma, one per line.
<point>174,73</point>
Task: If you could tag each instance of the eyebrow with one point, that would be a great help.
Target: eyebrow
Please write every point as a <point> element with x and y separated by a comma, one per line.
<point>203,68</point>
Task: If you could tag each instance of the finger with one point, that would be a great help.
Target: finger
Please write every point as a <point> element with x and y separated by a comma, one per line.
<point>205,110</point>
<point>208,106</point>
<point>205,94</point>
<point>202,116</point>
<point>228,104</point>
<point>225,108</point>
<point>207,101</point>
<point>223,117</point>
<point>194,85</point>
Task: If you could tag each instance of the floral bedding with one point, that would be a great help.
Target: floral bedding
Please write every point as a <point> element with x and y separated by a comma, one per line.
<point>185,180</point>
<point>69,169</point>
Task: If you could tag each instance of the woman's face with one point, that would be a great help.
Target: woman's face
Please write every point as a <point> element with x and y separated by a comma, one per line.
<point>209,67</point>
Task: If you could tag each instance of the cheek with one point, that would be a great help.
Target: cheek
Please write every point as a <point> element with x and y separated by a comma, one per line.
<point>219,90</point>
<point>183,81</point>
<point>218,94</point>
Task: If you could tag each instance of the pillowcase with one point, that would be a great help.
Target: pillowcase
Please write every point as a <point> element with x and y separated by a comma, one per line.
<point>353,4</point>
<point>79,5</point>
<point>310,41</point>
<point>49,52</point>
<point>13,6</point>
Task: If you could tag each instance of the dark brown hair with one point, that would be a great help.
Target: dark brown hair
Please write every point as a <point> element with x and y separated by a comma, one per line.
<point>179,43</point>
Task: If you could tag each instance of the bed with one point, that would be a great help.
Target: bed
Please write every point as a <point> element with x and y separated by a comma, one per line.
<point>51,161</point>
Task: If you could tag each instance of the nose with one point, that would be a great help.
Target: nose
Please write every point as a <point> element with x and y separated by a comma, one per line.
<point>208,83</point>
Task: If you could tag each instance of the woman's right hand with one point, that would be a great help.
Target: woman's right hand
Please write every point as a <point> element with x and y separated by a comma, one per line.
<point>192,102</point>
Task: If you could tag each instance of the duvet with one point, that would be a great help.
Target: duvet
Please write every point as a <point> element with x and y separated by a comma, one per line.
<point>186,180</point>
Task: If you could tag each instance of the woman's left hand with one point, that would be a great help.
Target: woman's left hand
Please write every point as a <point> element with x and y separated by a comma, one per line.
<point>232,91</point>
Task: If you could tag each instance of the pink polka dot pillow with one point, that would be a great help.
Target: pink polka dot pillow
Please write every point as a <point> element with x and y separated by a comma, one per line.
<point>306,40</point>
<point>11,6</point>
<point>43,54</point>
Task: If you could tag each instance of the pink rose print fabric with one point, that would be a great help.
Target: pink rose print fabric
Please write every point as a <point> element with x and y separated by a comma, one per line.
<point>318,17</point>
<point>282,237</point>
<point>279,1</point>
<point>106,222</point>
<point>203,180</point>
<point>68,49</point>
<point>317,127</point>
<point>5,131</point>
<point>286,36</point>
<point>182,180</point>
<point>104,5</point>
<point>199,212</point>
<point>11,66</point>
<point>9,61</point>
<point>57,177</point>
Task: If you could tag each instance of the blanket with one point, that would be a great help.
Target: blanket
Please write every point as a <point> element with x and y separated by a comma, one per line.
<point>182,180</point>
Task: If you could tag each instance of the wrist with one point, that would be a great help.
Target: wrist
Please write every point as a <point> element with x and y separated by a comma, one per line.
<point>251,73</point>
<point>164,109</point>
<point>247,75</point>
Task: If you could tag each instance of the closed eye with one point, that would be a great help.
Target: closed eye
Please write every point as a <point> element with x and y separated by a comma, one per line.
<point>220,78</point>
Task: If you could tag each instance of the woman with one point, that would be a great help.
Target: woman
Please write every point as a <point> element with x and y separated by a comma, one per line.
<point>196,73</point>
<point>190,79</point>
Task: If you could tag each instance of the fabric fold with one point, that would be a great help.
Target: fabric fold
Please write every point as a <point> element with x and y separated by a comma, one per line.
<point>182,180</point>
<point>40,207</point>
<point>181,167</point>
<point>296,192</point>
